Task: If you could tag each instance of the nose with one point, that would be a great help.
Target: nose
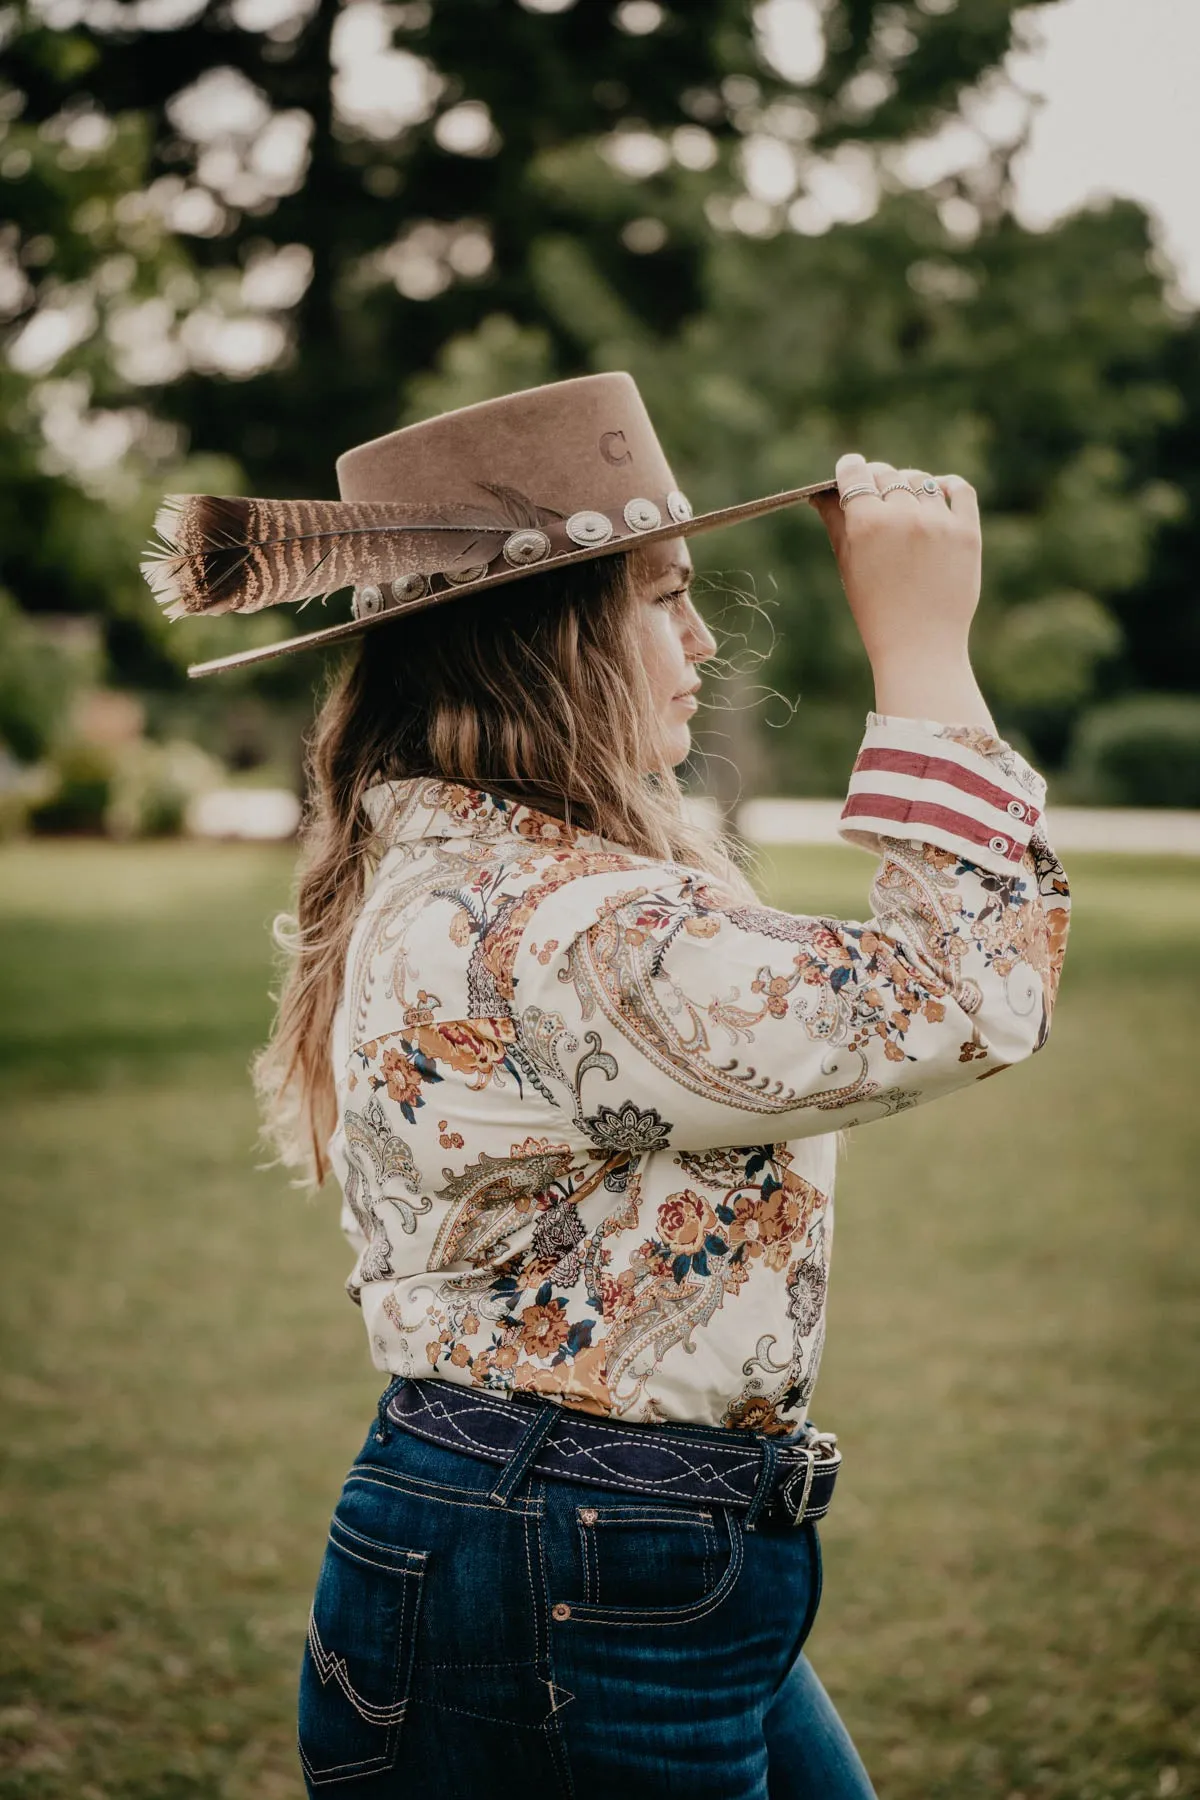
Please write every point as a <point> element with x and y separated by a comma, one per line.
<point>701,642</point>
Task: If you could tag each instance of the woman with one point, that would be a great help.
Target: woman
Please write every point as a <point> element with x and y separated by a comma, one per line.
<point>582,1092</point>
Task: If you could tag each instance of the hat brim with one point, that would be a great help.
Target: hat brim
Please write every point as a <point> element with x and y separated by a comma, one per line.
<point>334,634</point>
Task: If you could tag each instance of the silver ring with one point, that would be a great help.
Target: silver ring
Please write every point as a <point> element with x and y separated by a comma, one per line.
<point>893,485</point>
<point>930,486</point>
<point>864,487</point>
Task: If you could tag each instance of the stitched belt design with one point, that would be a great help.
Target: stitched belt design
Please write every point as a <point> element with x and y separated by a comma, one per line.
<point>678,1462</point>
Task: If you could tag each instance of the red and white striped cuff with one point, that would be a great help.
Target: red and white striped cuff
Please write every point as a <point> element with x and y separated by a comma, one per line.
<point>911,782</point>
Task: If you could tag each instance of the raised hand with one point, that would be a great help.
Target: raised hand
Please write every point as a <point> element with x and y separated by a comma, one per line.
<point>909,550</point>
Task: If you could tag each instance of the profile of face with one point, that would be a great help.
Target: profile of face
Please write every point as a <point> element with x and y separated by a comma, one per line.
<point>672,638</point>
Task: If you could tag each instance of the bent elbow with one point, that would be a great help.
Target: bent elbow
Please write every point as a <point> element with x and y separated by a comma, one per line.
<point>1009,1034</point>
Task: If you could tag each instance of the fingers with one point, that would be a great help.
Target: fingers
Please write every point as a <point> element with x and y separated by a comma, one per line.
<point>865,488</point>
<point>926,489</point>
<point>853,472</point>
<point>960,497</point>
<point>893,485</point>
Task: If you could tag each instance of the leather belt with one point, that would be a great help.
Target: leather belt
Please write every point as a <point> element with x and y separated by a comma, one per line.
<point>785,1480</point>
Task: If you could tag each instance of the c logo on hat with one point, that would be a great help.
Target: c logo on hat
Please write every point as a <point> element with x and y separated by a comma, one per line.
<point>614,449</point>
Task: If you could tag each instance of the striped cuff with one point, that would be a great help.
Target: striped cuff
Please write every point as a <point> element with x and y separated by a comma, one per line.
<point>914,779</point>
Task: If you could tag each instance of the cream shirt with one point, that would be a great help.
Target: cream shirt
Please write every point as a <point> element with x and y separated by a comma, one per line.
<point>588,1103</point>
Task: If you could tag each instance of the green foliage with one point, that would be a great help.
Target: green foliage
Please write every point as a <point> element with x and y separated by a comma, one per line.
<point>36,680</point>
<point>1139,750</point>
<point>83,784</point>
<point>566,194</point>
<point>1044,655</point>
<point>129,790</point>
<point>152,785</point>
<point>498,358</point>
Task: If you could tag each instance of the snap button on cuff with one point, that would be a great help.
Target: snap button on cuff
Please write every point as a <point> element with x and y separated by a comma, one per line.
<point>1000,845</point>
<point>1016,809</point>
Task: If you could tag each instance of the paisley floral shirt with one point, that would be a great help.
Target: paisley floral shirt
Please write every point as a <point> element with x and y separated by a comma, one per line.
<point>589,1103</point>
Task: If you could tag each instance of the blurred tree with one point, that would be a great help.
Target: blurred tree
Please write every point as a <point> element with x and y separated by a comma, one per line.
<point>261,218</point>
<point>996,354</point>
<point>1139,750</point>
<point>258,230</point>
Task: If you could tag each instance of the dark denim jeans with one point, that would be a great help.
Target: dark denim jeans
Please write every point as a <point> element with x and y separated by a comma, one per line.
<point>577,1643</point>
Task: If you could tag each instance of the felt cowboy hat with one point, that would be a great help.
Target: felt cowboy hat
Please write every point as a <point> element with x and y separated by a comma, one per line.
<point>469,500</point>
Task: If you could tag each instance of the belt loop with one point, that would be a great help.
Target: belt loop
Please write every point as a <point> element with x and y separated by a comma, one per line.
<point>383,1429</point>
<point>766,1481</point>
<point>519,1463</point>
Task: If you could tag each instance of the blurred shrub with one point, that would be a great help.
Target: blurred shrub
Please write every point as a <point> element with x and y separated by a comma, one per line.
<point>36,682</point>
<point>152,785</point>
<point>1044,654</point>
<point>138,789</point>
<point>1139,750</point>
<point>81,787</point>
<point>814,753</point>
<point>21,789</point>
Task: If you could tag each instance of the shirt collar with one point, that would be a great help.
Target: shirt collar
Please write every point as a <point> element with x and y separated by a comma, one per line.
<point>419,807</point>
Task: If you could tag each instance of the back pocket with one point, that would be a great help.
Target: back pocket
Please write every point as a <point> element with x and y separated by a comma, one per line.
<point>354,1681</point>
<point>648,1556</point>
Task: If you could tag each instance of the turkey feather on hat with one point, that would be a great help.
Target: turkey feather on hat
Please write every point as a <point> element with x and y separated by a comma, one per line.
<point>219,555</point>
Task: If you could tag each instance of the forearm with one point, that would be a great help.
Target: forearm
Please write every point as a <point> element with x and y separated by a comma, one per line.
<point>938,686</point>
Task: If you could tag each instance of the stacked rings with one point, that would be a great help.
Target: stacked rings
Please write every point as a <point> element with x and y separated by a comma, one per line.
<point>864,487</point>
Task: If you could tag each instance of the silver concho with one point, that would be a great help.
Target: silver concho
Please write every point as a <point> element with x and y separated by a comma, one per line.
<point>588,528</point>
<point>368,601</point>
<point>525,547</point>
<point>460,577</point>
<point>679,506</point>
<point>642,515</point>
<point>408,587</point>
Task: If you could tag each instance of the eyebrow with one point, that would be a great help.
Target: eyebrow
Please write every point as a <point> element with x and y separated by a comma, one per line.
<point>686,570</point>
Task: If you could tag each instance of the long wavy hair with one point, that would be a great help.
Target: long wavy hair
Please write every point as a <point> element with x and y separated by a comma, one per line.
<point>534,692</point>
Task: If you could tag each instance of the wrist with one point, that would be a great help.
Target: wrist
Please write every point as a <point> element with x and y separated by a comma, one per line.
<point>939,686</point>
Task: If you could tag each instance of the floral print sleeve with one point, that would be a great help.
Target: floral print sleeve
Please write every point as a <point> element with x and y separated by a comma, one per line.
<point>730,1022</point>
<point>589,1103</point>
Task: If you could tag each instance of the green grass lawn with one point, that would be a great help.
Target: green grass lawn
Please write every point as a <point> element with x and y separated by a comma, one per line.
<point>1011,1568</point>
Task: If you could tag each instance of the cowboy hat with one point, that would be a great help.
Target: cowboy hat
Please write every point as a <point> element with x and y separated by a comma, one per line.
<point>531,482</point>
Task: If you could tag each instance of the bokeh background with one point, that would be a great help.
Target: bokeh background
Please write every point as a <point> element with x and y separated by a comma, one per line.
<point>241,236</point>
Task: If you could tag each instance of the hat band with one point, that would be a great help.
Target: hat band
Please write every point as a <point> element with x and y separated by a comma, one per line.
<point>528,546</point>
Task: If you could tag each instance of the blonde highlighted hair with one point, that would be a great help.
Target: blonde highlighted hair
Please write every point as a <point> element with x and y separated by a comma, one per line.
<point>534,692</point>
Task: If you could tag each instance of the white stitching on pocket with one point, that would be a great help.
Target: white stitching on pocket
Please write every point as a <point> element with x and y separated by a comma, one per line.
<point>321,1737</point>
<point>331,1667</point>
<point>673,1615</point>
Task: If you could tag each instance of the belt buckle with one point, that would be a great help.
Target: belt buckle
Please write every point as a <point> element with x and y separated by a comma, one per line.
<point>803,1476</point>
<point>819,1446</point>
